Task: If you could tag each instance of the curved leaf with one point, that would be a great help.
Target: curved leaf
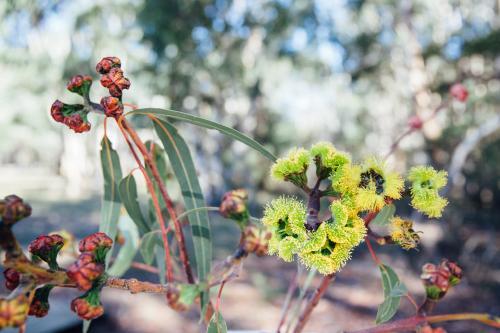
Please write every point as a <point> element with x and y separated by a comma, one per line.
<point>128,250</point>
<point>128,195</point>
<point>112,174</point>
<point>393,290</point>
<point>384,215</point>
<point>217,324</point>
<point>185,172</point>
<point>231,132</point>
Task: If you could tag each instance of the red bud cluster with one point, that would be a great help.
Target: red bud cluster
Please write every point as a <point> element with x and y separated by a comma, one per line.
<point>438,279</point>
<point>13,209</point>
<point>256,240</point>
<point>46,246</point>
<point>72,116</point>
<point>84,271</point>
<point>112,106</point>
<point>115,81</point>
<point>85,309</point>
<point>80,84</point>
<point>106,64</point>
<point>12,278</point>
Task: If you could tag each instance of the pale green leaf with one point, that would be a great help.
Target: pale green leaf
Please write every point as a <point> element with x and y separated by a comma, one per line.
<point>217,324</point>
<point>384,215</point>
<point>128,250</point>
<point>393,289</point>
<point>128,195</point>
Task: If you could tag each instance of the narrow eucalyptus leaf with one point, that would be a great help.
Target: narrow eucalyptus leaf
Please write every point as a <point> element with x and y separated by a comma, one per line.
<point>384,215</point>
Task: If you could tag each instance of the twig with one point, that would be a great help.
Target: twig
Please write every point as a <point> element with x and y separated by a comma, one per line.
<point>409,324</point>
<point>288,299</point>
<point>135,286</point>
<point>306,313</point>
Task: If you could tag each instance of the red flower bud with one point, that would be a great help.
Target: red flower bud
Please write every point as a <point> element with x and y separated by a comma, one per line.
<point>459,92</point>
<point>12,278</point>
<point>13,209</point>
<point>56,111</point>
<point>95,241</point>
<point>115,82</point>
<point>234,205</point>
<point>105,65</point>
<point>112,106</point>
<point>85,310</point>
<point>13,312</point>
<point>80,84</point>
<point>415,123</point>
<point>76,123</point>
<point>84,271</point>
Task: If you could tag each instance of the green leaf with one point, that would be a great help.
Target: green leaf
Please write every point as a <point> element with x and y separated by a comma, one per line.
<point>148,244</point>
<point>231,132</point>
<point>128,250</point>
<point>217,324</point>
<point>185,172</point>
<point>384,215</point>
<point>128,195</point>
<point>112,174</point>
<point>188,293</point>
<point>393,290</point>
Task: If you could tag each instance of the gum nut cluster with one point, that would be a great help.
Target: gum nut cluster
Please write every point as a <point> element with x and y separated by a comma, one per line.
<point>13,209</point>
<point>39,306</point>
<point>113,79</point>
<point>358,189</point>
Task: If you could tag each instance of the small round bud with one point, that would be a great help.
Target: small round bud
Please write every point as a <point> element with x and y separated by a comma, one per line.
<point>85,308</point>
<point>105,65</point>
<point>415,122</point>
<point>13,209</point>
<point>38,308</point>
<point>80,84</point>
<point>115,82</point>
<point>112,106</point>
<point>256,240</point>
<point>84,271</point>
<point>459,92</point>
<point>438,279</point>
<point>12,278</point>
<point>13,312</point>
<point>56,111</point>
<point>234,205</point>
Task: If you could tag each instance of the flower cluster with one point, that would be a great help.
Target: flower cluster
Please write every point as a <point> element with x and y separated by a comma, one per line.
<point>354,189</point>
<point>13,312</point>
<point>438,279</point>
<point>113,79</point>
<point>426,183</point>
<point>13,209</point>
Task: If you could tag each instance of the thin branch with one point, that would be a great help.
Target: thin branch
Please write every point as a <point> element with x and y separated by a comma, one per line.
<point>410,324</point>
<point>306,313</point>
<point>135,286</point>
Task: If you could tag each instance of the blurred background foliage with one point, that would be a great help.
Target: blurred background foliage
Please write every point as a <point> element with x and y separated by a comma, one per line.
<point>287,73</point>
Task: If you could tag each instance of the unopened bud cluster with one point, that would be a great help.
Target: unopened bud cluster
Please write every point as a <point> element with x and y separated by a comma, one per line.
<point>234,206</point>
<point>13,209</point>
<point>438,279</point>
